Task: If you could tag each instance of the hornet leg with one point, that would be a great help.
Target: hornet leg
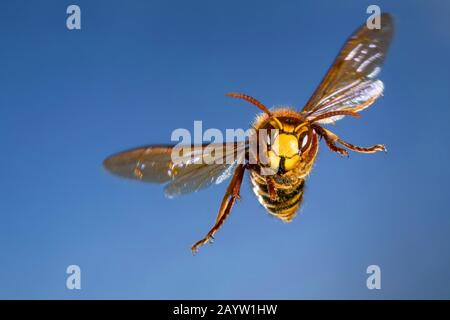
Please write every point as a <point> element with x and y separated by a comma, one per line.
<point>271,188</point>
<point>228,200</point>
<point>331,139</point>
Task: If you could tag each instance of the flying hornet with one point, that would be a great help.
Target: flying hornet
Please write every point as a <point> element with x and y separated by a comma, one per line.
<point>349,86</point>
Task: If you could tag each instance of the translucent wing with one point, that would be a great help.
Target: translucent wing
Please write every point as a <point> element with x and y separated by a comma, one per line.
<point>351,83</point>
<point>183,169</point>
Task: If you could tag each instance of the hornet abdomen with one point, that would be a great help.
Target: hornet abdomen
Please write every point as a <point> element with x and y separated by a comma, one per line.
<point>289,196</point>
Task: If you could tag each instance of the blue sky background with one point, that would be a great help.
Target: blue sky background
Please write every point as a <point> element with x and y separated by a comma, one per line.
<point>139,69</point>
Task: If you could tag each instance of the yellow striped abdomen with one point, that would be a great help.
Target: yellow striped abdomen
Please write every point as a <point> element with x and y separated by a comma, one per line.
<point>289,195</point>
